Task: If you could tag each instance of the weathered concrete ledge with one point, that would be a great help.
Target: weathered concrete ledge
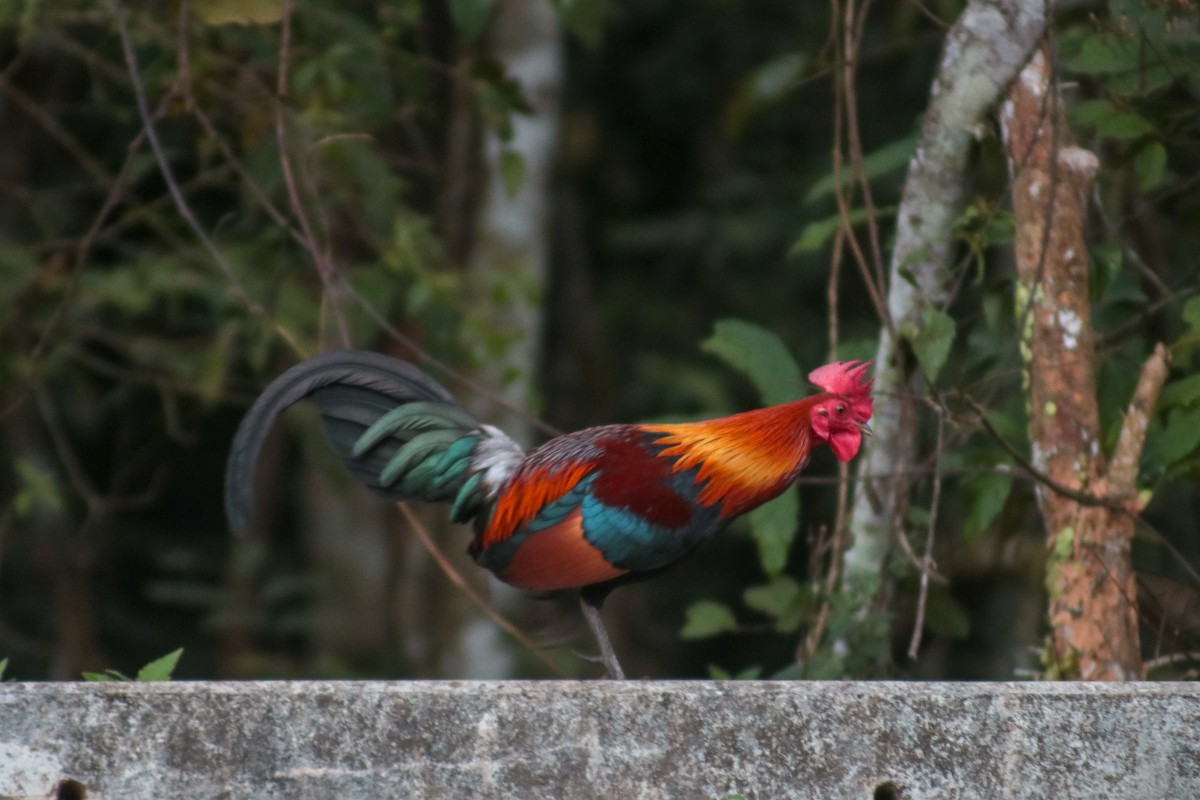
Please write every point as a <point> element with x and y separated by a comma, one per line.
<point>693,740</point>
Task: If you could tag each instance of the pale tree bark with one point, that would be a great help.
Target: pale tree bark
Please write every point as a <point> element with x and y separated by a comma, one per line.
<point>983,51</point>
<point>508,262</point>
<point>1087,501</point>
<point>500,241</point>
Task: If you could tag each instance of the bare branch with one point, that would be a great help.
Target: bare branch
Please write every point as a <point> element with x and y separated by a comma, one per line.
<point>325,268</point>
<point>460,582</point>
<point>164,166</point>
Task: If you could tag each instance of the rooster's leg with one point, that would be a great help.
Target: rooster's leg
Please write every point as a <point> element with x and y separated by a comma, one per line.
<point>590,603</point>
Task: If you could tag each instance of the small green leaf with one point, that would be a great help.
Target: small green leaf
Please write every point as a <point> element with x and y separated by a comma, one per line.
<point>3,666</point>
<point>773,598</point>
<point>945,616</point>
<point>988,495</point>
<point>108,676</point>
<point>817,233</point>
<point>1089,112</point>
<point>1107,260</point>
<point>160,669</point>
<point>931,339</point>
<point>1191,312</point>
<point>760,354</point>
<point>1124,125</point>
<point>716,673</point>
<point>39,489</point>
<point>783,599</point>
<point>512,171</point>
<point>774,79</point>
<point>1183,392</point>
<point>1103,54</point>
<point>1110,120</point>
<point>773,526</point>
<point>707,618</point>
<point>1181,436</point>
<point>1150,164</point>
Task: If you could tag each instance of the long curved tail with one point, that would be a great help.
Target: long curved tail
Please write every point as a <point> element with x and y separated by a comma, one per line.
<point>395,428</point>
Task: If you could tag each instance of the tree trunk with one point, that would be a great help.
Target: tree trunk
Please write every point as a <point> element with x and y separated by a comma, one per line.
<point>509,257</point>
<point>1090,579</point>
<point>983,51</point>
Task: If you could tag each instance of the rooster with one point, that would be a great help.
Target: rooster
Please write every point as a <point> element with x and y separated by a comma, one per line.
<point>585,511</point>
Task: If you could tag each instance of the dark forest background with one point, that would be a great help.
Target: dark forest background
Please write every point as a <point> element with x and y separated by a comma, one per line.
<point>597,211</point>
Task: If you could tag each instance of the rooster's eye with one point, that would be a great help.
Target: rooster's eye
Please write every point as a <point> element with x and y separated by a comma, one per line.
<point>841,409</point>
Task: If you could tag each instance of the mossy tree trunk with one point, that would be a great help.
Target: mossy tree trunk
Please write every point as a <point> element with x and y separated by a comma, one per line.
<point>1088,501</point>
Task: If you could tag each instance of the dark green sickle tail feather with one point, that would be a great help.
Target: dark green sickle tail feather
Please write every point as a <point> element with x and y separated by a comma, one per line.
<point>397,430</point>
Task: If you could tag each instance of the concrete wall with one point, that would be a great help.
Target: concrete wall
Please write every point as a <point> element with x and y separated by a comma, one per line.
<point>693,740</point>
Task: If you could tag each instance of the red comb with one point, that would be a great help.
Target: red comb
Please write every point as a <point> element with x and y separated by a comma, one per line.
<point>844,378</point>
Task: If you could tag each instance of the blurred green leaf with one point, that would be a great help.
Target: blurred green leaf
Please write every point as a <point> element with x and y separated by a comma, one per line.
<point>783,599</point>
<point>931,339</point>
<point>1107,260</point>
<point>1124,125</point>
<point>1191,312</point>
<point>512,171</point>
<point>944,615</point>
<point>1150,164</point>
<point>706,618</point>
<point>987,494</point>
<point>1106,54</point>
<point>1181,436</point>
<point>761,355</point>
<point>1182,392</point>
<point>816,234</point>
<point>773,526</point>
<point>39,488</point>
<point>891,157</point>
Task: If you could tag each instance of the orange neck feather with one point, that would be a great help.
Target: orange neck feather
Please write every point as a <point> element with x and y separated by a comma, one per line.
<point>745,459</point>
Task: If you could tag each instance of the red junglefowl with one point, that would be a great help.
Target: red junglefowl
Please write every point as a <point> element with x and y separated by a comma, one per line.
<point>588,510</point>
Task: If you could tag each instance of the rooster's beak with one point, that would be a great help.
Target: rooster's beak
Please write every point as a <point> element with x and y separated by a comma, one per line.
<point>865,428</point>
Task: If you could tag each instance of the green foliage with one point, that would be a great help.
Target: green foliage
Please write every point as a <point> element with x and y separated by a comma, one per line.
<point>931,337</point>
<point>783,600</point>
<point>39,489</point>
<point>695,183</point>
<point>761,355</point>
<point>817,234</point>
<point>160,669</point>
<point>890,158</point>
<point>987,495</point>
<point>773,526</point>
<point>707,618</point>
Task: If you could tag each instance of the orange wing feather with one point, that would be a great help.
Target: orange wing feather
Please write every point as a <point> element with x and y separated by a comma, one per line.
<point>526,494</point>
<point>742,458</point>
